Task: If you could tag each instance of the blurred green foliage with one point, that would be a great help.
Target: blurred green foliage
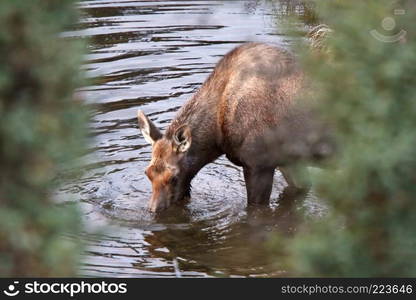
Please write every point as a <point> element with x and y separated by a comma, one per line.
<point>42,132</point>
<point>367,92</point>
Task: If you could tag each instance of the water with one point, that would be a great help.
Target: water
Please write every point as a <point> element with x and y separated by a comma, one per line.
<point>152,55</point>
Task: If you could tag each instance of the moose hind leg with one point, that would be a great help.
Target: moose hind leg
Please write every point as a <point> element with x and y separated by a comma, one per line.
<point>259,184</point>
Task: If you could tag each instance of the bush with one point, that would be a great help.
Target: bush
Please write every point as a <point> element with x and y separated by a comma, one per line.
<point>42,131</point>
<point>367,93</point>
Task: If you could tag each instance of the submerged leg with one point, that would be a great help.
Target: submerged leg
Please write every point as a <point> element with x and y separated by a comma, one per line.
<point>258,184</point>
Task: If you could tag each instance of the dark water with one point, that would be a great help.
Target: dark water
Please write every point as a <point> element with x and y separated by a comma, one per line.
<point>152,55</point>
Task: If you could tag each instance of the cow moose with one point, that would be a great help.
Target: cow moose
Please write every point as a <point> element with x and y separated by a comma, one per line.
<point>246,109</point>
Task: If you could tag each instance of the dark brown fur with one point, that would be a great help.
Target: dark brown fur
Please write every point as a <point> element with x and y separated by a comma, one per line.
<point>245,110</point>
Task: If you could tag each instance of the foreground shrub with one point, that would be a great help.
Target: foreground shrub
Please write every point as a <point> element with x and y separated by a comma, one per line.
<point>367,92</point>
<point>42,131</point>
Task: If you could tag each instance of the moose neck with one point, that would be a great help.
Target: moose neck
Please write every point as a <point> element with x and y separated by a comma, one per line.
<point>199,114</point>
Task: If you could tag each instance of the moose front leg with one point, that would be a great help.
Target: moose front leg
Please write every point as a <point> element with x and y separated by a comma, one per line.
<point>259,184</point>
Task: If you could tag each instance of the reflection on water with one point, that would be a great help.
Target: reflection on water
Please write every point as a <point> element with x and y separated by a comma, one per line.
<point>152,55</point>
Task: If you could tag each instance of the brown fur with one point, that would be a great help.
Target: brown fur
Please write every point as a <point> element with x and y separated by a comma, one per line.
<point>245,109</point>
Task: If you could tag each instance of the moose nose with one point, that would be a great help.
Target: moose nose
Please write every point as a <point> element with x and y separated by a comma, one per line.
<point>157,205</point>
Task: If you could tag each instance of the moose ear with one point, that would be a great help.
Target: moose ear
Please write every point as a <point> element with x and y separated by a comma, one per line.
<point>150,132</point>
<point>182,138</point>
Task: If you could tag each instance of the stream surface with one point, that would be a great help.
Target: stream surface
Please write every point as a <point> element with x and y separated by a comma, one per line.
<point>152,55</point>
